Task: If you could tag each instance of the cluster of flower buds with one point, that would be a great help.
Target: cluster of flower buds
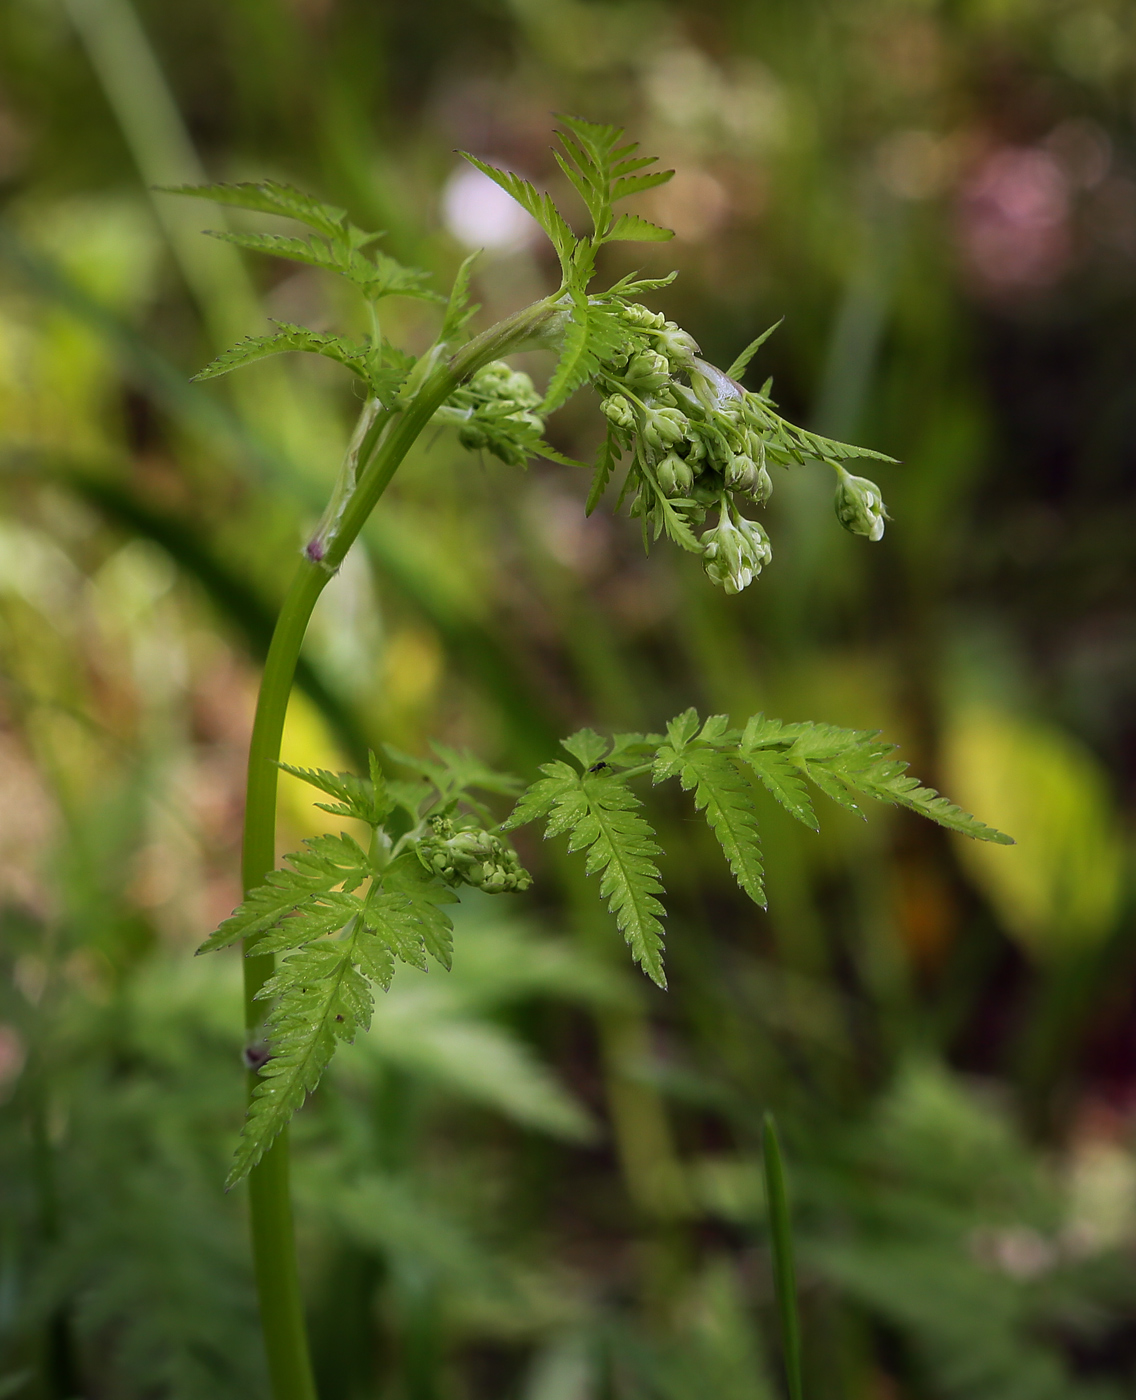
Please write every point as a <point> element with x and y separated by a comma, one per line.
<point>702,442</point>
<point>496,412</point>
<point>735,551</point>
<point>462,853</point>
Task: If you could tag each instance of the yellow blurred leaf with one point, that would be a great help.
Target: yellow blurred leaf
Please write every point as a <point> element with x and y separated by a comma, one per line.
<point>1059,888</point>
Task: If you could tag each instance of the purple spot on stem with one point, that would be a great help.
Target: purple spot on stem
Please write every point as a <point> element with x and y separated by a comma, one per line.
<point>315,550</point>
<point>256,1056</point>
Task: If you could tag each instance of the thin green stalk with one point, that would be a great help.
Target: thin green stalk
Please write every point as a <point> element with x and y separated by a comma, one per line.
<point>270,1206</point>
<point>781,1238</point>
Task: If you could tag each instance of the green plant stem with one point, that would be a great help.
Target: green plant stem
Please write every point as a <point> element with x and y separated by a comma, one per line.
<point>270,1206</point>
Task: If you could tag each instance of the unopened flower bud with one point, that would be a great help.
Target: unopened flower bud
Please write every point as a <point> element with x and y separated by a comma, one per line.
<point>675,477</point>
<point>738,471</point>
<point>743,474</point>
<point>859,505</point>
<point>762,487</point>
<point>472,438</point>
<point>734,554</point>
<point>618,410</point>
<point>648,370</point>
<point>663,427</point>
<point>498,380</point>
<point>678,345</point>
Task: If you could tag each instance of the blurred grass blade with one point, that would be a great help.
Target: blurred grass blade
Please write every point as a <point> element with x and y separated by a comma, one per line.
<point>135,86</point>
<point>781,1238</point>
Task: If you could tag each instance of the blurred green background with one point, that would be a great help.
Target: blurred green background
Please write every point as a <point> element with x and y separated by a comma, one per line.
<point>537,1177</point>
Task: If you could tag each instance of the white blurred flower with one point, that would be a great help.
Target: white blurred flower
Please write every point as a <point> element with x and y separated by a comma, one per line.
<point>481,215</point>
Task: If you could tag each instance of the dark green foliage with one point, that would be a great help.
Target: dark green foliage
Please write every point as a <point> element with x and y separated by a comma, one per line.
<point>713,760</point>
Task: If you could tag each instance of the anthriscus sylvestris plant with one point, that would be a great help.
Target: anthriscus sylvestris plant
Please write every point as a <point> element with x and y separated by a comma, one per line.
<point>695,451</point>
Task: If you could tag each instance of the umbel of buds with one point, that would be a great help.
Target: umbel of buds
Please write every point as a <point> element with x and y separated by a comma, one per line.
<point>496,412</point>
<point>701,448</point>
<point>700,443</point>
<point>461,853</point>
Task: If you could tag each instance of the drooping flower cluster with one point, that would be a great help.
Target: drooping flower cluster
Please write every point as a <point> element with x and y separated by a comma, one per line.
<point>702,443</point>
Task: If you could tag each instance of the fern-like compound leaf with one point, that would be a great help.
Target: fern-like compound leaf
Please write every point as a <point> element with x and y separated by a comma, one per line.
<point>787,444</point>
<point>667,517</point>
<point>455,773</point>
<point>365,799</point>
<point>784,781</point>
<point>540,206</point>
<point>680,732</point>
<point>714,761</point>
<point>376,274</point>
<point>265,906</point>
<point>625,185</point>
<point>621,845</point>
<point>723,794</point>
<point>316,917</point>
<point>333,257</point>
<point>272,197</point>
<point>603,172</point>
<point>887,780</point>
<point>459,311</point>
<point>602,815</point>
<point>320,997</point>
<point>846,764</point>
<point>288,338</point>
<point>408,926</point>
<point>632,286</point>
<point>577,363</point>
<point>321,992</point>
<point>586,747</point>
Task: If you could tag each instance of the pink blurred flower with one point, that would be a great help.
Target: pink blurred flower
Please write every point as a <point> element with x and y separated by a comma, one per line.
<point>1013,219</point>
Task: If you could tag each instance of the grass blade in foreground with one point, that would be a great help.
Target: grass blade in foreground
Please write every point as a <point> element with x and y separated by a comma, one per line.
<point>781,1239</point>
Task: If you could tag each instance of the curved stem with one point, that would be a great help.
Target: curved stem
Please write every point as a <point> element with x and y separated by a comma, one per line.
<point>270,1206</point>
<point>270,1203</point>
